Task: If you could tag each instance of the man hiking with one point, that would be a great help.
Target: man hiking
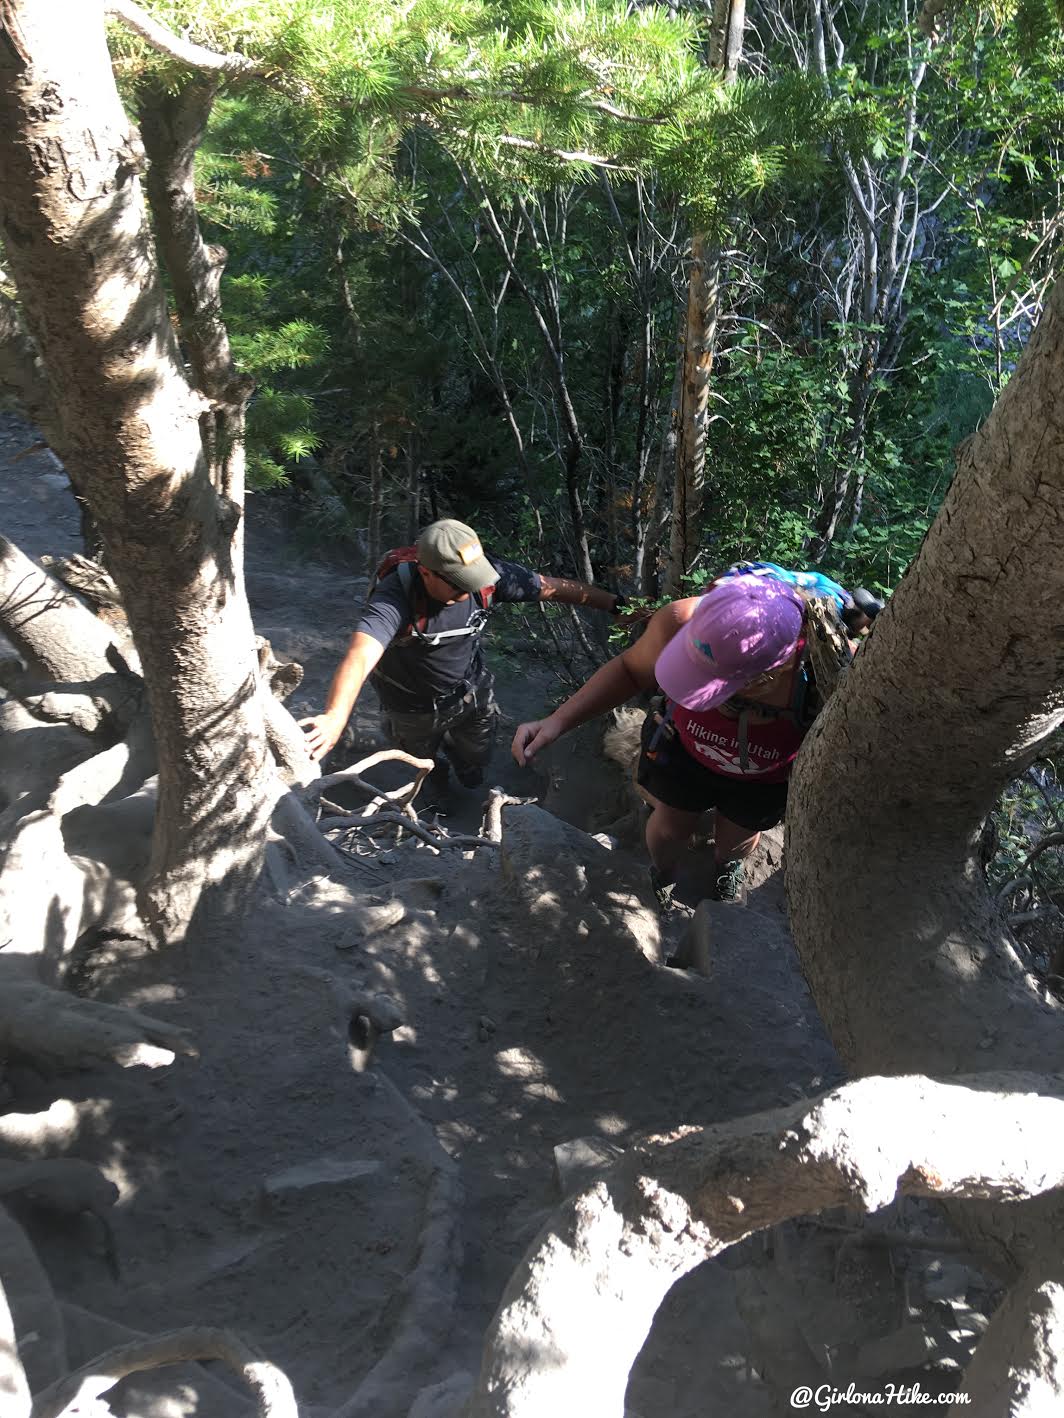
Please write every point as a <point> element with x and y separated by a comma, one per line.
<point>738,703</point>
<point>418,640</point>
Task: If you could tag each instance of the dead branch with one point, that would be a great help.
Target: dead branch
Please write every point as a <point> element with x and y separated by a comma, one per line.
<point>401,797</point>
<point>491,824</point>
<point>1051,839</point>
<point>583,1298</point>
<point>195,56</point>
<point>75,1393</point>
<point>411,824</point>
<point>286,740</point>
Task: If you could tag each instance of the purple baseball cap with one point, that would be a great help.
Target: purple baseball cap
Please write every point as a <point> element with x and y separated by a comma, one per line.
<point>742,627</point>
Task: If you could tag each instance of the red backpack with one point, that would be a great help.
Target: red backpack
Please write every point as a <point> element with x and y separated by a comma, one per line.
<point>403,560</point>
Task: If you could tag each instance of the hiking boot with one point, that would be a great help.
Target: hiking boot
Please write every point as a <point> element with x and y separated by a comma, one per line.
<point>470,775</point>
<point>663,887</point>
<point>728,885</point>
<point>434,789</point>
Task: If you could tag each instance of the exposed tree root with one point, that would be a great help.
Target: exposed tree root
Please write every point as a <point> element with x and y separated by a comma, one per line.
<point>57,1029</point>
<point>14,1386</point>
<point>41,896</point>
<point>397,797</point>
<point>76,1392</point>
<point>63,1184</point>
<point>60,640</point>
<point>287,742</point>
<point>578,1308</point>
<point>1018,1367</point>
<point>409,824</point>
<point>89,1334</point>
<point>34,1312</point>
<point>56,1127</point>
<point>491,827</point>
<point>430,1289</point>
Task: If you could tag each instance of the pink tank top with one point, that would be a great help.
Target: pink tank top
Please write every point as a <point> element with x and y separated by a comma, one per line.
<point>713,739</point>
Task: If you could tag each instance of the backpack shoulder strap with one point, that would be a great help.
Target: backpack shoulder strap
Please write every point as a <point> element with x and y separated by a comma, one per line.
<point>410,582</point>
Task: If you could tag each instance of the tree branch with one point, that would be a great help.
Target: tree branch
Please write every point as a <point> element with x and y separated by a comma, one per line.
<point>164,41</point>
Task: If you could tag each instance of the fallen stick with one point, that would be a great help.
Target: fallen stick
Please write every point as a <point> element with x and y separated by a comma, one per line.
<point>395,819</point>
<point>402,797</point>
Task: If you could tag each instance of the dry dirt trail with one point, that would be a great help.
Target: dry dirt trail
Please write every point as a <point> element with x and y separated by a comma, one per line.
<point>359,1227</point>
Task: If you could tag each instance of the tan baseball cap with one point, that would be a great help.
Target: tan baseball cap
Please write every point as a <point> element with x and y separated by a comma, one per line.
<point>453,550</point>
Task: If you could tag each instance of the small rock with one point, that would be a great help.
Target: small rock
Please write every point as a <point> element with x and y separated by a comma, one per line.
<point>369,920</point>
<point>485,1028</point>
<point>323,1171</point>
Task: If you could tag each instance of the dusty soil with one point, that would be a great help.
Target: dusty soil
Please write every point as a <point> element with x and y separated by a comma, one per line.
<point>360,1227</point>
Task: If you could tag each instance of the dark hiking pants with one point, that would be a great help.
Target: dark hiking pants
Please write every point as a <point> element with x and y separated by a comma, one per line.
<point>464,729</point>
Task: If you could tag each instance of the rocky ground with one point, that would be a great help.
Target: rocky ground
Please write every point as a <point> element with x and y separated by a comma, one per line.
<point>360,1226</point>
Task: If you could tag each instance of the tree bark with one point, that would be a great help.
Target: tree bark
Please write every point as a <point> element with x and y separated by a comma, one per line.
<point>700,338</point>
<point>81,250</point>
<point>957,691</point>
<point>172,125</point>
<point>53,632</point>
<point>1018,1367</point>
<point>699,342</point>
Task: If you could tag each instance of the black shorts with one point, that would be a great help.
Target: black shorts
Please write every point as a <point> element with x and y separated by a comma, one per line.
<point>680,781</point>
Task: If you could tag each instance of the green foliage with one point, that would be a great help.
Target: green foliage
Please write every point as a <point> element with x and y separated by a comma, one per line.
<point>374,122</point>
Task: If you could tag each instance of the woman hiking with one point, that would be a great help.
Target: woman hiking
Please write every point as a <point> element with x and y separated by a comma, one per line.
<point>738,703</point>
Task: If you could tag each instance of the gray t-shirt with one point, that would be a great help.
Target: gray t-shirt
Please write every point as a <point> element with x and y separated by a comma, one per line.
<point>413,674</point>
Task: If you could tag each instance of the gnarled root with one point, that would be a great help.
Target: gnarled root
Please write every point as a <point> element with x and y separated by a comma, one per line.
<point>73,1394</point>
<point>583,1298</point>
<point>1018,1367</point>
<point>26,1293</point>
<point>55,1028</point>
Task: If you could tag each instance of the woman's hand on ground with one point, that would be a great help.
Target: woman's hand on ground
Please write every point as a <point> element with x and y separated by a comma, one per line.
<point>531,738</point>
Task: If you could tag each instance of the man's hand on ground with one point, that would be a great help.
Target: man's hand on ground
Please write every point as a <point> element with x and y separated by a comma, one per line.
<point>530,738</point>
<point>321,731</point>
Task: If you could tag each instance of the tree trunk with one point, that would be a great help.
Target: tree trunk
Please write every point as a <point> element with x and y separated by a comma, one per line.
<point>658,510</point>
<point>172,125</point>
<point>847,470</point>
<point>81,250</point>
<point>699,339</point>
<point>700,333</point>
<point>376,501</point>
<point>958,689</point>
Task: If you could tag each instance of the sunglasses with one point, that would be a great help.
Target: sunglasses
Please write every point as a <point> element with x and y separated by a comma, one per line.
<point>440,577</point>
